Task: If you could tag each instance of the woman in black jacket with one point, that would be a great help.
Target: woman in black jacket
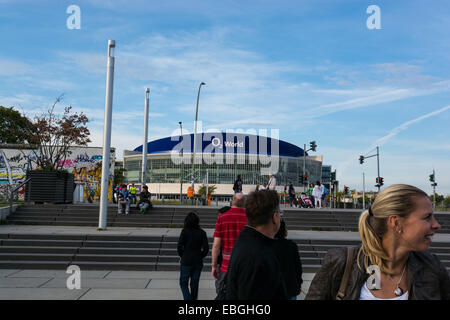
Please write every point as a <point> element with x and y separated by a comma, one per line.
<point>393,262</point>
<point>192,248</point>
<point>291,265</point>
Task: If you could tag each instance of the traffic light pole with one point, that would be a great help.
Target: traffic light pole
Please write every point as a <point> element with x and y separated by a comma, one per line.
<point>364,193</point>
<point>378,168</point>
<point>434,191</point>
<point>305,183</point>
<point>378,179</point>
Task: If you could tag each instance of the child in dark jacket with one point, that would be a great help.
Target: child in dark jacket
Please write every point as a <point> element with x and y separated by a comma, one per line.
<point>192,248</point>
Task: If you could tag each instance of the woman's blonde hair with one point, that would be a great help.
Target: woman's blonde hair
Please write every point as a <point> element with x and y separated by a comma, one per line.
<point>397,199</point>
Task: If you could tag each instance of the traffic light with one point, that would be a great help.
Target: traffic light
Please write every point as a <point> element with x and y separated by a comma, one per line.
<point>333,176</point>
<point>361,159</point>
<point>345,190</point>
<point>380,180</point>
<point>305,179</point>
<point>432,177</point>
<point>313,145</point>
<point>377,180</point>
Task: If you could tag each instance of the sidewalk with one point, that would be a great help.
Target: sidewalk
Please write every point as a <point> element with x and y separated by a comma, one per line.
<point>175,232</point>
<point>105,285</point>
<point>18,284</point>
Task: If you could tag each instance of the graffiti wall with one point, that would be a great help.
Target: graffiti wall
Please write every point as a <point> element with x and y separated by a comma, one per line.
<point>83,162</point>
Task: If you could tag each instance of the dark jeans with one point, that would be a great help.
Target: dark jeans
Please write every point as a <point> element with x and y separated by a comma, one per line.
<point>292,201</point>
<point>192,273</point>
<point>220,283</point>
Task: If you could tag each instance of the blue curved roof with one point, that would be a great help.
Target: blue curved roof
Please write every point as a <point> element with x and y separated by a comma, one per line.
<point>222,142</point>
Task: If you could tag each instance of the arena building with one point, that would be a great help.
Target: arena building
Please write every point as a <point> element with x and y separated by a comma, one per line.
<point>219,158</point>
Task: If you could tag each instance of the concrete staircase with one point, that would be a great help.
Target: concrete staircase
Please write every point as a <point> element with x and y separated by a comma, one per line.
<point>131,253</point>
<point>173,217</point>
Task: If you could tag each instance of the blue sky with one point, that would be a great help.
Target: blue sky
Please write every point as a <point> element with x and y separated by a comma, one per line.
<point>311,69</point>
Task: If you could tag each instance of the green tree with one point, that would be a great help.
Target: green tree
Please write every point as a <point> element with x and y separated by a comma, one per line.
<point>119,176</point>
<point>202,190</point>
<point>447,201</point>
<point>439,198</point>
<point>14,127</point>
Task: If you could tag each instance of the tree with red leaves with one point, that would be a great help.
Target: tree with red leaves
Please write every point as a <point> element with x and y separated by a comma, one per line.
<point>54,135</point>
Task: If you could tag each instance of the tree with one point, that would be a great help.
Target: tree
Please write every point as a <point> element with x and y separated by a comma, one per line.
<point>439,198</point>
<point>119,176</point>
<point>55,135</point>
<point>202,190</point>
<point>14,127</point>
<point>447,202</point>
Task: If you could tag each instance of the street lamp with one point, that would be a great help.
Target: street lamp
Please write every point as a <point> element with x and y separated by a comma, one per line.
<point>107,135</point>
<point>144,146</point>
<point>195,137</point>
<point>182,163</point>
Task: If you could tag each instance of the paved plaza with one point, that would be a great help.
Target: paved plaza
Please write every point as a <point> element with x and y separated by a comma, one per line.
<point>19,284</point>
<point>103,285</point>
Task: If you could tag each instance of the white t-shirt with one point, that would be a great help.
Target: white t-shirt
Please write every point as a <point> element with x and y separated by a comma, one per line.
<point>367,295</point>
<point>317,192</point>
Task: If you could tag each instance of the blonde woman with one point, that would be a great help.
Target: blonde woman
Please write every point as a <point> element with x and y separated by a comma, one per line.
<point>396,233</point>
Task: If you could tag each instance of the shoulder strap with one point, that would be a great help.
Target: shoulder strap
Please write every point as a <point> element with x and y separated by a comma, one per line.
<point>348,265</point>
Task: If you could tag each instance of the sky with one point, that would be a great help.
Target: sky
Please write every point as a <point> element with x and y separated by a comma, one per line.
<point>349,78</point>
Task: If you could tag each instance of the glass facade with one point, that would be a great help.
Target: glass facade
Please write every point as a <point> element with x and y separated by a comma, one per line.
<point>162,169</point>
<point>326,174</point>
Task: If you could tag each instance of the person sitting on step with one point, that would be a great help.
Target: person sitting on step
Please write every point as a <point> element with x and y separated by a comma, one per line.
<point>144,202</point>
<point>124,199</point>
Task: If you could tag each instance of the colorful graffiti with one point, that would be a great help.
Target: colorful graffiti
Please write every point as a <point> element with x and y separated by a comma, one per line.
<point>83,162</point>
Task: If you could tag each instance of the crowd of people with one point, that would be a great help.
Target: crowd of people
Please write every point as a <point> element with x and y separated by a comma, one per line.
<point>252,259</point>
<point>125,198</point>
<point>315,197</point>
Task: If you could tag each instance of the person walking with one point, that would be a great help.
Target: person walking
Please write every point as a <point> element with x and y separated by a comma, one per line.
<point>396,232</point>
<point>325,195</point>
<point>237,187</point>
<point>192,248</point>
<point>310,193</point>
<point>271,185</point>
<point>289,258</point>
<point>317,194</point>
<point>254,272</point>
<point>292,198</point>
<point>228,226</point>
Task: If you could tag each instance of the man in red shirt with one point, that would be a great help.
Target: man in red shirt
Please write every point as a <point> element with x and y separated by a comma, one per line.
<point>228,227</point>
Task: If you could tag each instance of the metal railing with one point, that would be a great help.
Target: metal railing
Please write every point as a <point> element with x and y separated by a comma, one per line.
<point>11,195</point>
